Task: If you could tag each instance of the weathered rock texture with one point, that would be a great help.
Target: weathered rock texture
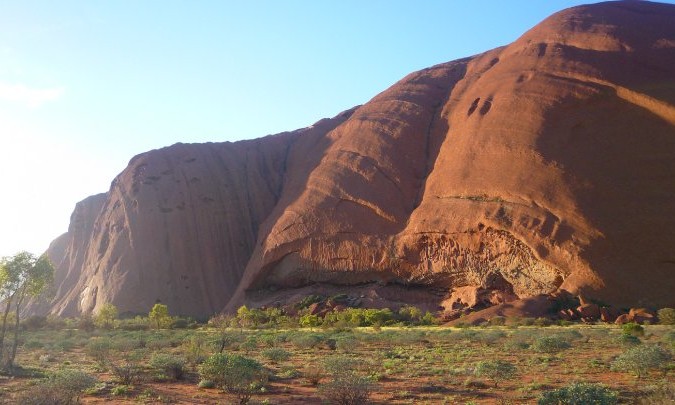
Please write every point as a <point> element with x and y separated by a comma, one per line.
<point>547,163</point>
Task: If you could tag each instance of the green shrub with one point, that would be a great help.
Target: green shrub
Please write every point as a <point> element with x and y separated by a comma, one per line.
<point>659,394</point>
<point>542,322</point>
<point>628,340</point>
<point>666,316</point>
<point>63,387</point>
<point>307,341</point>
<point>346,386</point>
<point>309,321</point>
<point>276,355</point>
<point>106,316</point>
<point>158,343</point>
<point>410,314</point>
<point>225,340</point>
<point>669,338</point>
<point>489,337</point>
<point>135,324</point>
<point>194,349</point>
<point>238,375</point>
<point>86,323</point>
<point>249,344</point>
<point>346,344</point>
<point>206,384</point>
<point>180,323</point>
<point>288,372</point>
<point>55,322</point>
<point>640,359</point>
<point>550,344</point>
<point>571,335</point>
<point>268,340</point>
<point>159,316</point>
<point>126,344</point>
<point>378,317</point>
<point>633,329</point>
<point>495,370</point>
<point>121,390</point>
<point>516,344</point>
<point>579,394</point>
<point>168,365</point>
<point>127,371</point>
<point>429,319</point>
<point>338,364</point>
<point>99,350</point>
<point>347,389</point>
<point>313,374</point>
<point>64,345</point>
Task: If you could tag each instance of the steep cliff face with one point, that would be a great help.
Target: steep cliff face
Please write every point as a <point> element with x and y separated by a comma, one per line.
<point>547,163</point>
<point>67,252</point>
<point>178,225</point>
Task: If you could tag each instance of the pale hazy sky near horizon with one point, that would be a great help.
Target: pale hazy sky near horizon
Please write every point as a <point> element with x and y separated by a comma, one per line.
<point>86,85</point>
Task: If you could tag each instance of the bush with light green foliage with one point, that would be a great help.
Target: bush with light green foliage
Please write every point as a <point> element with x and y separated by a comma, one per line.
<point>168,365</point>
<point>346,386</point>
<point>627,340</point>
<point>550,344</point>
<point>580,394</point>
<point>634,329</point>
<point>99,350</point>
<point>669,338</point>
<point>307,341</point>
<point>238,375</point>
<point>309,320</point>
<point>106,316</point>
<point>62,387</point>
<point>641,359</point>
<point>276,354</point>
<point>410,314</point>
<point>159,316</point>
<point>495,370</point>
<point>659,394</point>
<point>128,370</point>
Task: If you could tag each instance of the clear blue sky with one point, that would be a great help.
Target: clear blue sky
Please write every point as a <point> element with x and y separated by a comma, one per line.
<point>85,85</point>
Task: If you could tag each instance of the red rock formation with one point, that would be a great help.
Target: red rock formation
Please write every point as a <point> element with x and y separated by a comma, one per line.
<point>179,224</point>
<point>544,164</point>
<point>589,311</point>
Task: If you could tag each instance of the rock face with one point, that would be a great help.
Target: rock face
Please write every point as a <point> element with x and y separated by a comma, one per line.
<point>545,164</point>
<point>179,224</point>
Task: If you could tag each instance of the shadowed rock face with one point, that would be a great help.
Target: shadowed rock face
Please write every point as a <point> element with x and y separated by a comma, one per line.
<point>547,163</point>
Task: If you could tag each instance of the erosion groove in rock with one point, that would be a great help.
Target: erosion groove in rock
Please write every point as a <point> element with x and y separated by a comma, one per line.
<point>544,164</point>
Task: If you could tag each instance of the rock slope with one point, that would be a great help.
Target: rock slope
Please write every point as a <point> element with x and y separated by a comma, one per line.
<point>545,164</point>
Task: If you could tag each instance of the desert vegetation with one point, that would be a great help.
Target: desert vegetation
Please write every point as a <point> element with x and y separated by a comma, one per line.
<point>353,356</point>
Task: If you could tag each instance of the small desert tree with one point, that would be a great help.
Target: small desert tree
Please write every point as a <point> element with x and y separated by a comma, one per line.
<point>159,315</point>
<point>21,276</point>
<point>106,316</point>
